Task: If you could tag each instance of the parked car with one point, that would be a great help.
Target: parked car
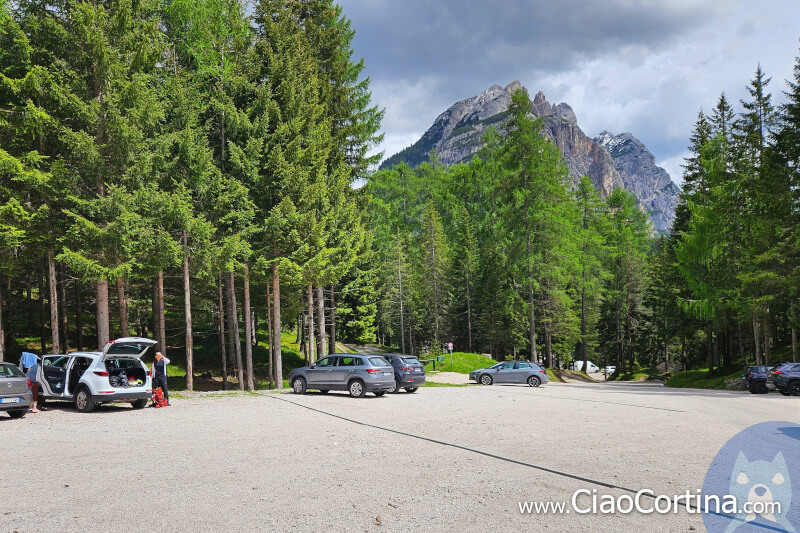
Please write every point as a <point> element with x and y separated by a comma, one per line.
<point>15,395</point>
<point>355,373</point>
<point>578,366</point>
<point>117,374</point>
<point>786,378</point>
<point>511,372</point>
<point>754,378</point>
<point>610,369</point>
<point>409,373</point>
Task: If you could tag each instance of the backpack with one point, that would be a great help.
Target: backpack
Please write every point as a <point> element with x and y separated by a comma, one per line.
<point>158,399</point>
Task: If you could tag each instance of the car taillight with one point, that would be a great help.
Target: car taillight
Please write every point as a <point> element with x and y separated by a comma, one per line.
<point>101,373</point>
<point>750,376</point>
<point>777,372</point>
<point>405,368</point>
<point>543,371</point>
<point>372,370</point>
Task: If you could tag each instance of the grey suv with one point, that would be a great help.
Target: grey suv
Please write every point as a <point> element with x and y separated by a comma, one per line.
<point>357,374</point>
<point>786,378</point>
<point>409,373</point>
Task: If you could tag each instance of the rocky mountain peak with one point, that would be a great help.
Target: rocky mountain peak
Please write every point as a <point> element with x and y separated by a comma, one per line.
<point>609,160</point>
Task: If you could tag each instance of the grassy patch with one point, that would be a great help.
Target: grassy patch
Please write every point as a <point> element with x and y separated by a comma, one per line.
<point>437,384</point>
<point>700,379</point>
<point>463,363</point>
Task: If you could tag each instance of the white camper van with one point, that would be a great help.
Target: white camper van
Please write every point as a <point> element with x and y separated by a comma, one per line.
<point>578,366</point>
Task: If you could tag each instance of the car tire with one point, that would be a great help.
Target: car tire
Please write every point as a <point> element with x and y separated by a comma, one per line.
<point>785,392</point>
<point>356,388</point>
<point>752,389</point>
<point>761,388</point>
<point>139,404</point>
<point>379,393</point>
<point>299,385</point>
<point>18,414</point>
<point>412,389</point>
<point>534,381</point>
<point>83,400</point>
<point>794,388</point>
<point>395,389</point>
<point>485,379</point>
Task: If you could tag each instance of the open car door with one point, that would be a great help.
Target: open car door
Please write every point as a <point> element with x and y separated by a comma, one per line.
<point>127,347</point>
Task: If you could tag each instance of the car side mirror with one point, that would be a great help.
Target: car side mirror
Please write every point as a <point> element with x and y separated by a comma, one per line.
<point>313,365</point>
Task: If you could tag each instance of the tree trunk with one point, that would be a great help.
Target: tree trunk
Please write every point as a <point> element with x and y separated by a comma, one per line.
<point>154,306</point>
<point>62,300</point>
<point>276,328</point>
<point>124,325</point>
<point>53,283</point>
<point>78,317</point>
<point>271,340</point>
<point>302,320</point>
<point>102,314</point>
<point>2,331</point>
<point>757,338</point>
<point>320,323</point>
<point>710,348</point>
<point>332,336</point>
<point>795,357</point>
<point>233,319</point>
<point>248,330</point>
<point>469,314</point>
<point>187,311</point>
<point>43,311</point>
<point>767,337</point>
<point>162,319</point>
<point>310,341</point>
<point>402,318</point>
<point>584,351</point>
<point>221,306</point>
<point>548,348</point>
<point>534,351</point>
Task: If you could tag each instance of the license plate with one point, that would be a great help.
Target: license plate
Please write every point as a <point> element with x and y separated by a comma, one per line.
<point>10,400</point>
<point>387,373</point>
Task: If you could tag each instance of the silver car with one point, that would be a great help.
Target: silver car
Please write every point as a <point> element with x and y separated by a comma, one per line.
<point>511,372</point>
<point>357,374</point>
<point>15,395</point>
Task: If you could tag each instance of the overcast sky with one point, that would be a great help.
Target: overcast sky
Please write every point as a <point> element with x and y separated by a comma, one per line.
<point>642,66</point>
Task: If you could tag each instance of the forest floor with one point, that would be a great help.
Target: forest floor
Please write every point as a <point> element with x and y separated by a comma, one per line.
<point>278,461</point>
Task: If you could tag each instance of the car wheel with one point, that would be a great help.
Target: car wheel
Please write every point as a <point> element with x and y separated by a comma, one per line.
<point>752,389</point>
<point>356,388</point>
<point>324,391</point>
<point>139,404</point>
<point>395,388</point>
<point>299,385</point>
<point>17,414</point>
<point>784,392</point>
<point>486,379</point>
<point>794,388</point>
<point>83,400</point>
<point>379,393</point>
<point>412,389</point>
<point>761,388</point>
<point>534,381</point>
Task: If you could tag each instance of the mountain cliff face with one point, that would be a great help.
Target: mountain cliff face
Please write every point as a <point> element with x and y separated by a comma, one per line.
<point>610,161</point>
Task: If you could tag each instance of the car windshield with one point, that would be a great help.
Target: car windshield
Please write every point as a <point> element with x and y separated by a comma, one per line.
<point>10,371</point>
<point>378,361</point>
<point>412,360</point>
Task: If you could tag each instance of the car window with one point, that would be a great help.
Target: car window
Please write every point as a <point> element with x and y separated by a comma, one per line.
<point>379,361</point>
<point>9,371</point>
<point>508,365</point>
<point>412,360</point>
<point>524,365</point>
<point>327,361</point>
<point>59,361</point>
<point>349,361</point>
<point>497,366</point>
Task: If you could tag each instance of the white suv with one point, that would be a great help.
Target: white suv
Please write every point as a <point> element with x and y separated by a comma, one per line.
<point>117,374</point>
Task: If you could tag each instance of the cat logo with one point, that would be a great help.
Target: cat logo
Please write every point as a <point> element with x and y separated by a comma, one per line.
<point>756,477</point>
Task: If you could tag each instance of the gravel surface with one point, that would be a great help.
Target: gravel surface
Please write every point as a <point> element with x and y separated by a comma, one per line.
<point>235,462</point>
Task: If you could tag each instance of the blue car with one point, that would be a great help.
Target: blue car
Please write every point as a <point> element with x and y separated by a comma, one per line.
<point>786,378</point>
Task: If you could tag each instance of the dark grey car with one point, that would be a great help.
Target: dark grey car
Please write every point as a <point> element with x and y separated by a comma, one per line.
<point>511,372</point>
<point>15,395</point>
<point>409,373</point>
<point>355,373</point>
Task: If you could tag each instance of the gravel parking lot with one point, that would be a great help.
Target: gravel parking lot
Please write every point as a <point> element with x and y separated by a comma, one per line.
<point>234,462</point>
